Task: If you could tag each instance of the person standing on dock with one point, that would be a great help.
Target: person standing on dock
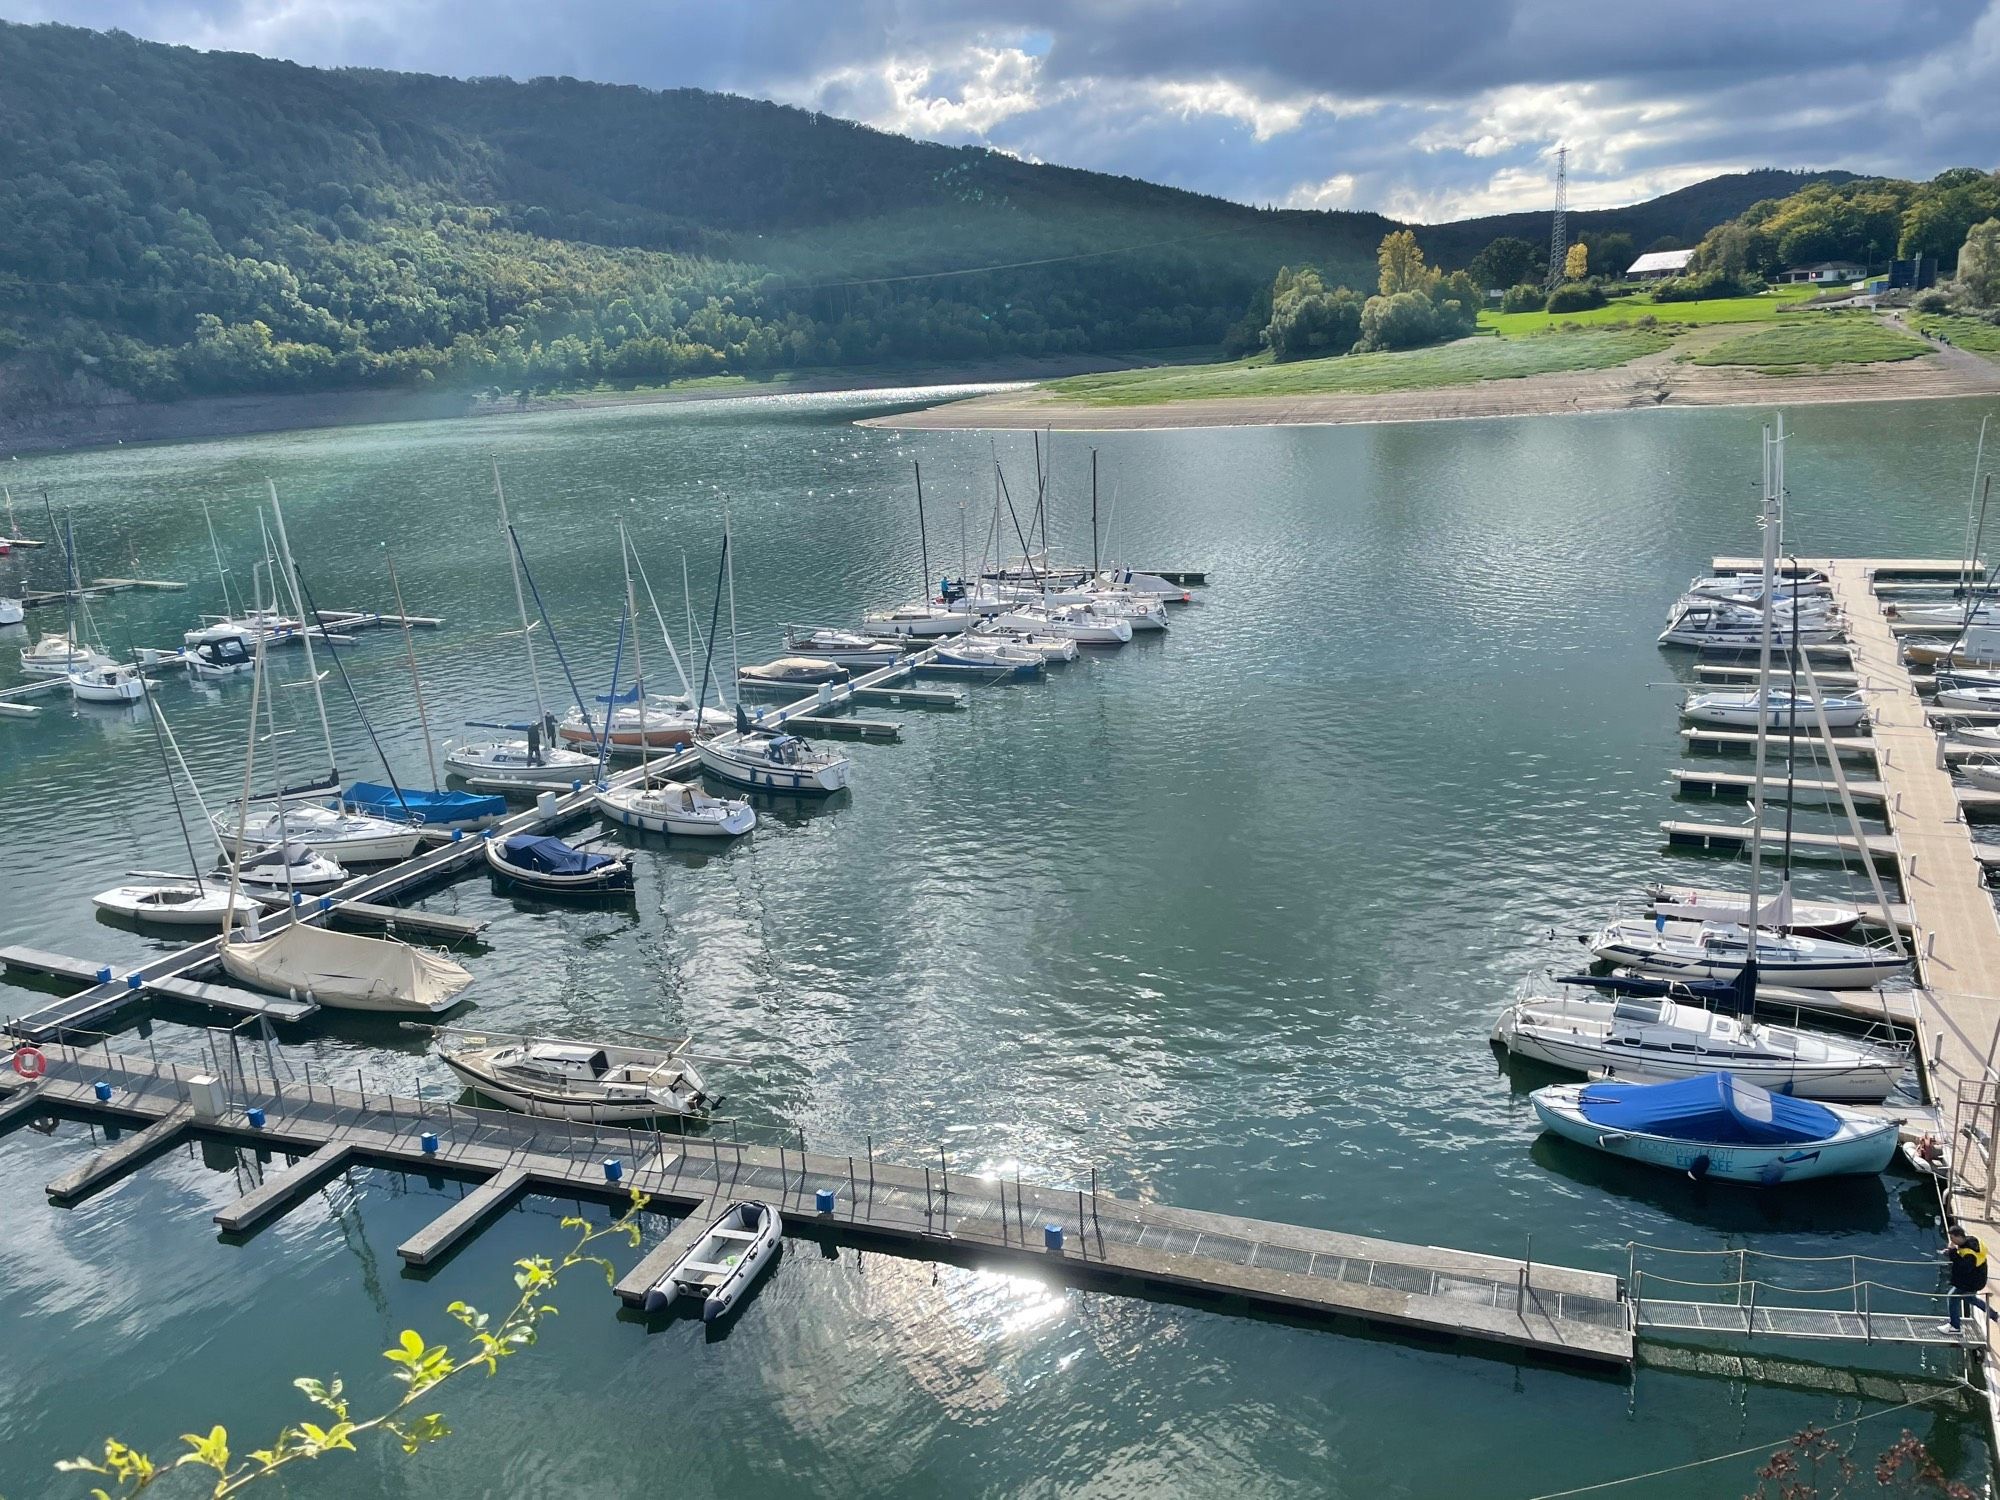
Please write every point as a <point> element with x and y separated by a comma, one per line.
<point>1967,1258</point>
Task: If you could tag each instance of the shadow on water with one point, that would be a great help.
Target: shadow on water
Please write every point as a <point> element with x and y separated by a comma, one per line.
<point>1834,1205</point>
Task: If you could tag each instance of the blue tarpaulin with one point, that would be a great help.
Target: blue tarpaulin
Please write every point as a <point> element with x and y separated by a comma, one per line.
<point>551,856</point>
<point>1715,1107</point>
<point>412,806</point>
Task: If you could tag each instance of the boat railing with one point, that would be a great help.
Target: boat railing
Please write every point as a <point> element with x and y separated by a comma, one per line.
<point>1871,1287</point>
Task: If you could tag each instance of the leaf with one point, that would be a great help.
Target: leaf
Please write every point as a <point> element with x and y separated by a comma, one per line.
<point>211,1451</point>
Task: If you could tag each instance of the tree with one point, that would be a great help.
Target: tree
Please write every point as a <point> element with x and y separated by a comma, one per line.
<point>1402,265</point>
<point>1401,320</point>
<point>1611,253</point>
<point>1979,264</point>
<point>1937,222</point>
<point>1506,261</point>
<point>1307,320</point>
<point>1576,263</point>
<point>422,1368</point>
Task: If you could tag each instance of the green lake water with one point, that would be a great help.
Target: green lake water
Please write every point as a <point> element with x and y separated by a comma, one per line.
<point>1226,916</point>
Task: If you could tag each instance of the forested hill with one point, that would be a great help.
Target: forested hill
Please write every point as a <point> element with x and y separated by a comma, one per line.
<point>182,222</point>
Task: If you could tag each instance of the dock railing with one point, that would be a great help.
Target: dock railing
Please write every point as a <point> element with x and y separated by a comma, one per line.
<point>1869,1298</point>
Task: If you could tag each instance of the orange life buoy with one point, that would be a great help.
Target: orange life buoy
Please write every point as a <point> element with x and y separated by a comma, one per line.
<point>29,1062</point>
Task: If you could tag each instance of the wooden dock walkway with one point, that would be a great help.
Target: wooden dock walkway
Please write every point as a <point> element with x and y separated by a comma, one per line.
<point>932,1212</point>
<point>276,1193</point>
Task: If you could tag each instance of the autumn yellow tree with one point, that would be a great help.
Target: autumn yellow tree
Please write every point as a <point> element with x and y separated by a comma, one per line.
<point>1576,264</point>
<point>1402,263</point>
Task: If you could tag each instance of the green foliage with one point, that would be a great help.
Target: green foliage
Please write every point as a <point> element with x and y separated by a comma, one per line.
<point>1307,319</point>
<point>1402,267</point>
<point>1507,261</point>
<point>1705,287</point>
<point>1864,220</point>
<point>1979,264</point>
<point>1526,297</point>
<point>1610,254</point>
<point>1400,321</point>
<point>1574,296</point>
<point>421,1368</point>
<point>1819,340</point>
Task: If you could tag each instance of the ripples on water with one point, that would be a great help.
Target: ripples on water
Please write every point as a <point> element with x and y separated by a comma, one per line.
<point>1226,916</point>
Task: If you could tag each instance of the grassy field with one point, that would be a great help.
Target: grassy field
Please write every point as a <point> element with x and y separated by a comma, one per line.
<point>1968,333</point>
<point>1462,363</point>
<point>1824,341</point>
<point>1631,309</point>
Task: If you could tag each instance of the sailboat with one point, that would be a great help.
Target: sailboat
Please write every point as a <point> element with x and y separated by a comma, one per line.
<point>768,761</point>
<point>169,901</point>
<point>342,970</point>
<point>674,807</point>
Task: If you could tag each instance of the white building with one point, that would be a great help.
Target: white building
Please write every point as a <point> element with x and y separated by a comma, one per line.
<point>1657,265</point>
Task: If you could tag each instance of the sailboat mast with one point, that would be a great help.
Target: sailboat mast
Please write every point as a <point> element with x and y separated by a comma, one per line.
<point>1093,513</point>
<point>729,560</point>
<point>243,807</point>
<point>1769,521</point>
<point>638,664</point>
<point>154,717</point>
<point>221,573</point>
<point>520,599</point>
<point>416,680</point>
<point>923,536</point>
<point>308,624</point>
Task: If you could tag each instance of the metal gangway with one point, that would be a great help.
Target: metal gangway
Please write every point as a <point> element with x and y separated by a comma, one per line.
<point>1756,1293</point>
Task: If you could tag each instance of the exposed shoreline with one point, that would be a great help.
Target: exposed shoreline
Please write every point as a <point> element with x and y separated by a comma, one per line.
<point>118,420</point>
<point>1653,380</point>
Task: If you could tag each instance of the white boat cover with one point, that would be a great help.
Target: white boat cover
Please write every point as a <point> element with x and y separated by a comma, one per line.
<point>345,967</point>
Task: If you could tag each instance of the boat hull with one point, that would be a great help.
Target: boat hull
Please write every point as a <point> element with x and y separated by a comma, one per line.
<point>1864,1152</point>
<point>805,781</point>
<point>723,1290</point>
<point>1857,1083</point>
<point>609,880</point>
<point>729,822</point>
<point>555,1107</point>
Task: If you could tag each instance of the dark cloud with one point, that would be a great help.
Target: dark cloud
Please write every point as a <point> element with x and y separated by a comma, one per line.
<point>1427,107</point>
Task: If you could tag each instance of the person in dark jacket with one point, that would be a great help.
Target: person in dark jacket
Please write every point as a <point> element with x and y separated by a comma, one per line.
<point>1967,1260</point>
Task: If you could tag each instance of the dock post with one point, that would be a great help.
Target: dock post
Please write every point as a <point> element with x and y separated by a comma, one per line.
<point>850,1187</point>
<point>1854,1276</point>
<point>871,1164</point>
<point>784,1178</point>
<point>945,1170</point>
<point>1867,1317</point>
<point>927,1197</point>
<point>802,1161</point>
<point>1082,1243</point>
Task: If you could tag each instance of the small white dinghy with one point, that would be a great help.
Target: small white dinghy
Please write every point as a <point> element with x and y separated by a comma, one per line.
<point>1928,1156</point>
<point>117,683</point>
<point>677,807</point>
<point>11,612</point>
<point>723,1263</point>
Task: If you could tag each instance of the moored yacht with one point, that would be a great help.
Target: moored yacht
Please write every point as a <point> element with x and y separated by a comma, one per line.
<point>1710,950</point>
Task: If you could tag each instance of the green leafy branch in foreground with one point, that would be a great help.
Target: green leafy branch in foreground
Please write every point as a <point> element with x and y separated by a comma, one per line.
<point>421,1368</point>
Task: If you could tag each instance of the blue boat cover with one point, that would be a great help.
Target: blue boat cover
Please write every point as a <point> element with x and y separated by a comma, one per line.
<point>410,805</point>
<point>551,856</point>
<point>1715,1108</point>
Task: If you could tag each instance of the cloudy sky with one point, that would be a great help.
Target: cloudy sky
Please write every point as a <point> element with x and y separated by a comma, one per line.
<point>1423,109</point>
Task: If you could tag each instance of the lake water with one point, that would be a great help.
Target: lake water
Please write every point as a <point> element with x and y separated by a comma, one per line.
<point>1226,916</point>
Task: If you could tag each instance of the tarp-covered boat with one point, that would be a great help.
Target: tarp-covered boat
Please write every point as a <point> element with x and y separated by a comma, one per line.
<point>542,862</point>
<point>1718,1126</point>
<point>428,809</point>
<point>346,971</point>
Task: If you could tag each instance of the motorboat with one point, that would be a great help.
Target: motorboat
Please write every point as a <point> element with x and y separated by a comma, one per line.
<point>774,762</point>
<point>1072,620</point>
<point>1748,588</point>
<point>56,654</point>
<point>1711,950</point>
<point>1951,617</point>
<point>1775,707</point>
<point>12,612</point>
<point>676,807</point>
<point>1976,646</point>
<point>1779,914</point>
<point>444,811</point>
<point>345,971</point>
<point>266,625</point>
<point>793,671</point>
<point>290,866</point>
<point>118,682</point>
<point>721,1266</point>
<point>1957,677</point>
<point>844,648</point>
<point>1984,774</point>
<point>993,658</point>
<point>225,656</point>
<point>174,903</point>
<point>1987,737</point>
<point>352,837</point>
<point>1650,1035</point>
<point>1052,649</point>
<point>545,864</point>
<point>1718,1127</point>
<point>602,1084</point>
<point>1141,585</point>
<point>528,762</point>
<point>1718,626</point>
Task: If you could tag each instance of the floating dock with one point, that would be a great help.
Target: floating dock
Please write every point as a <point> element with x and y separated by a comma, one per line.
<point>931,1211</point>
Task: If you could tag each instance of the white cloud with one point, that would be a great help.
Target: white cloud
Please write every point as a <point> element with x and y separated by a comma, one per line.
<point>1336,191</point>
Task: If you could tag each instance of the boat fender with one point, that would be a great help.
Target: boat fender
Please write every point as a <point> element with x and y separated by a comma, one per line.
<point>1698,1169</point>
<point>1772,1174</point>
<point>30,1062</point>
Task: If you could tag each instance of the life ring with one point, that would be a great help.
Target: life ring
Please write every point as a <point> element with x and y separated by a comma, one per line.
<point>29,1062</point>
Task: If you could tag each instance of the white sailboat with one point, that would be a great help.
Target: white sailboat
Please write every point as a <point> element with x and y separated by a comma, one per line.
<point>57,654</point>
<point>1772,707</point>
<point>120,682</point>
